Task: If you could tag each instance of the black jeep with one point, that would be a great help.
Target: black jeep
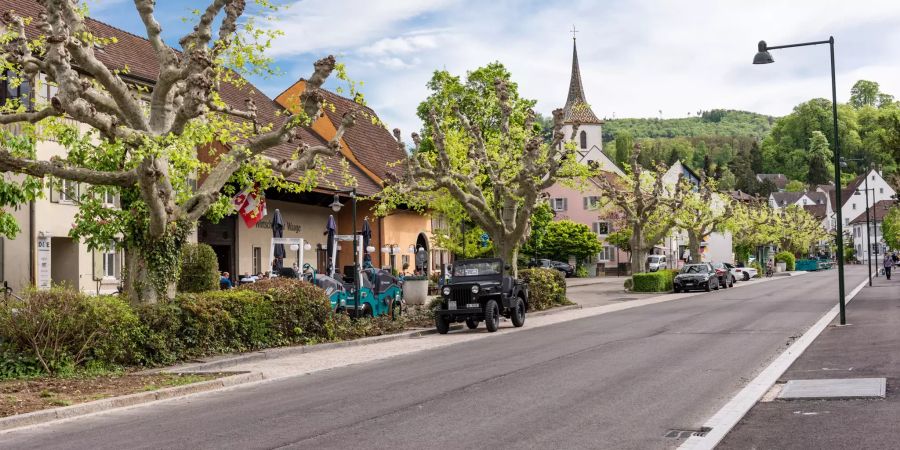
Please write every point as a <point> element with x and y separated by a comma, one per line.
<point>481,289</point>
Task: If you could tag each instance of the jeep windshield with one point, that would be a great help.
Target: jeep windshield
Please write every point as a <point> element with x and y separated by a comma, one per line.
<point>477,268</point>
<point>699,268</point>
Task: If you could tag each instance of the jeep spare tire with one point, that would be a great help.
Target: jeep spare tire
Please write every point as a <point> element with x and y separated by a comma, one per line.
<point>518,313</point>
<point>492,316</point>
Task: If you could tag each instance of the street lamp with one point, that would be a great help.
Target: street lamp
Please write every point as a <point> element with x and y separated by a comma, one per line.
<point>336,207</point>
<point>764,57</point>
<point>392,250</point>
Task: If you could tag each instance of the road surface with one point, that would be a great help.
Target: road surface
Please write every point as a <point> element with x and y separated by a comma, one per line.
<point>618,380</point>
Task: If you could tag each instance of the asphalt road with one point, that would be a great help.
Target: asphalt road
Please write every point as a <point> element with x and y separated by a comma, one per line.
<point>617,380</point>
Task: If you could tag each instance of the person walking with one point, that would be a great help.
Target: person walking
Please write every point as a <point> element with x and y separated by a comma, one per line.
<point>888,264</point>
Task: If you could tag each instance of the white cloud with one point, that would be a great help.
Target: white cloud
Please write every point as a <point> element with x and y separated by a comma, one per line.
<point>636,57</point>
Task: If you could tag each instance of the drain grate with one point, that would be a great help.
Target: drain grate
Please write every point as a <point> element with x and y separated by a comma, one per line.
<point>684,434</point>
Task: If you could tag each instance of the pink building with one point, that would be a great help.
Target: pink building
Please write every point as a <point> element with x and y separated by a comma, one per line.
<point>580,205</point>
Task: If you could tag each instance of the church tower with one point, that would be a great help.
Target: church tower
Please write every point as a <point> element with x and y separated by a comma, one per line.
<point>589,140</point>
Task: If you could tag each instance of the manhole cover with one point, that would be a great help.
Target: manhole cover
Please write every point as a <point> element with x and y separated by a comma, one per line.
<point>837,388</point>
<point>684,434</point>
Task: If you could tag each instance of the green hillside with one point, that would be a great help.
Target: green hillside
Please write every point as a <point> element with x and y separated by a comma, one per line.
<point>716,122</point>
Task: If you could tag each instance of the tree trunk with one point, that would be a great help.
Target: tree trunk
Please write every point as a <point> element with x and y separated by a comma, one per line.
<point>694,246</point>
<point>510,253</point>
<point>638,253</point>
<point>138,285</point>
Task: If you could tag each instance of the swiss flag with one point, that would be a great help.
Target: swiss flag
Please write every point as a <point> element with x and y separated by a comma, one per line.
<point>250,205</point>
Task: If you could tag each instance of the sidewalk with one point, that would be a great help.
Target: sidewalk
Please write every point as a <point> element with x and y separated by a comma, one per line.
<point>869,347</point>
<point>576,282</point>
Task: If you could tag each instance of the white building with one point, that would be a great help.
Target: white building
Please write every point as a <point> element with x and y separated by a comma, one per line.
<point>872,245</point>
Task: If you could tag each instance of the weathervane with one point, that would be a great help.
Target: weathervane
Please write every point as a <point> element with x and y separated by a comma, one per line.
<point>573,32</point>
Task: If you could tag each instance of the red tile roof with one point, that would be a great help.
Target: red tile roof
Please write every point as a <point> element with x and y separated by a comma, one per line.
<point>876,212</point>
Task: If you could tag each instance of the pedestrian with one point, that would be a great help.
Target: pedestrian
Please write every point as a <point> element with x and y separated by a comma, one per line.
<point>225,281</point>
<point>888,263</point>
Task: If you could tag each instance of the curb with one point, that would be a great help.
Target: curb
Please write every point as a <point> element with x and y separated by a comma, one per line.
<point>230,361</point>
<point>81,409</point>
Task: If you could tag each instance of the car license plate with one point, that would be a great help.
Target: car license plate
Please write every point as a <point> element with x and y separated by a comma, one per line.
<point>473,305</point>
<point>451,304</point>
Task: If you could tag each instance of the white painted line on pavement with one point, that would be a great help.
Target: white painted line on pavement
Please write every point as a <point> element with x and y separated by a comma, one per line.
<point>726,418</point>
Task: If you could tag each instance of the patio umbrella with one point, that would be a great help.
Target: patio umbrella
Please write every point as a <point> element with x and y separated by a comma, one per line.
<point>366,239</point>
<point>278,232</point>
<point>329,244</point>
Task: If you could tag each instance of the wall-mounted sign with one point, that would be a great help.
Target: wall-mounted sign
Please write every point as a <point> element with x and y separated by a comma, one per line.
<point>43,261</point>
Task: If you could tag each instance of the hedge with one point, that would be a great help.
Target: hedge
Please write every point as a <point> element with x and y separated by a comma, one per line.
<point>546,288</point>
<point>199,269</point>
<point>787,258</point>
<point>659,281</point>
<point>59,331</point>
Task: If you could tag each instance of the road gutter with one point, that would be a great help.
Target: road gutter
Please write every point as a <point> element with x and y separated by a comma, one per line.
<point>729,415</point>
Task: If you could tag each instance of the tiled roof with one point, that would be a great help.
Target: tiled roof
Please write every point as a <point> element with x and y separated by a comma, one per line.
<point>817,211</point>
<point>786,198</point>
<point>876,212</point>
<point>778,179</point>
<point>577,107</point>
<point>741,196</point>
<point>138,55</point>
<point>818,198</point>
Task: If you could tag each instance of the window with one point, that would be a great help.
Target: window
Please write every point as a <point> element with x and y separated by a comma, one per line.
<point>591,202</point>
<point>601,228</point>
<point>583,137</point>
<point>854,206</point>
<point>68,191</point>
<point>404,260</point>
<point>12,86</point>
<point>109,262</point>
<point>881,190</point>
<point>257,260</point>
<point>559,204</point>
<point>607,253</point>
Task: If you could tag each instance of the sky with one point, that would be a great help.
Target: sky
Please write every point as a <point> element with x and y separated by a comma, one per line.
<point>639,58</point>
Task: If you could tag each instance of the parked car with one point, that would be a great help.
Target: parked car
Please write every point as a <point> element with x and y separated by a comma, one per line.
<point>696,276</point>
<point>656,262</point>
<point>726,279</point>
<point>566,268</point>
<point>742,273</point>
<point>481,290</point>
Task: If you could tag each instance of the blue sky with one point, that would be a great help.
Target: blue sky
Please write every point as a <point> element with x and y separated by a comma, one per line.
<point>637,57</point>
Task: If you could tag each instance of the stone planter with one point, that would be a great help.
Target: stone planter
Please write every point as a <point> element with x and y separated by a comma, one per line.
<point>415,292</point>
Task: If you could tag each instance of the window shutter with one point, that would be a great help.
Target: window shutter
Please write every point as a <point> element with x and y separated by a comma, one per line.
<point>98,264</point>
<point>565,204</point>
<point>585,202</point>
<point>120,261</point>
<point>54,191</point>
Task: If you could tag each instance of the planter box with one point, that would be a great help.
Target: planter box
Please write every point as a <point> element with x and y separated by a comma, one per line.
<point>415,292</point>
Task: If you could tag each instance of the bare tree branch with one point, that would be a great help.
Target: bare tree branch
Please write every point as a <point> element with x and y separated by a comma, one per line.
<point>59,169</point>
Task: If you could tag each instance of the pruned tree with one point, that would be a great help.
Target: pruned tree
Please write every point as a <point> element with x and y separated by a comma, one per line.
<point>703,211</point>
<point>143,138</point>
<point>647,204</point>
<point>483,150</point>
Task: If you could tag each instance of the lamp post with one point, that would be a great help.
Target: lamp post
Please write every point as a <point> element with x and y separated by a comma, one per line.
<point>392,250</point>
<point>336,207</point>
<point>764,57</point>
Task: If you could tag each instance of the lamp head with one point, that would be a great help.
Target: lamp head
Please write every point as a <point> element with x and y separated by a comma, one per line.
<point>762,55</point>
<point>336,204</point>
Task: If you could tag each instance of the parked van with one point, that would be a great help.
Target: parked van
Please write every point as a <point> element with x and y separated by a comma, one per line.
<point>656,262</point>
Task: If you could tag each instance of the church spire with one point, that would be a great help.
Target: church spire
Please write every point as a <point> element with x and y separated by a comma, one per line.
<point>577,107</point>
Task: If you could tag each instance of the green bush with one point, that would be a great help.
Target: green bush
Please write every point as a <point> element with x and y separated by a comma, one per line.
<point>199,269</point>
<point>652,281</point>
<point>629,284</point>
<point>759,269</point>
<point>63,329</point>
<point>670,278</point>
<point>546,288</point>
<point>581,271</point>
<point>303,312</point>
<point>787,258</point>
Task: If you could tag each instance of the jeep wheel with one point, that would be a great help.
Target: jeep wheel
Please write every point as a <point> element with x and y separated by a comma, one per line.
<point>472,323</point>
<point>442,324</point>
<point>492,316</point>
<point>518,313</point>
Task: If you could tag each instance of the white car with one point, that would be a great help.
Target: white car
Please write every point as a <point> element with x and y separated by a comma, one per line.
<point>742,273</point>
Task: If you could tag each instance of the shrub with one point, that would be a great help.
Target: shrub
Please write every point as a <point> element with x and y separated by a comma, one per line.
<point>670,278</point>
<point>787,258</point>
<point>546,288</point>
<point>223,321</point>
<point>660,281</point>
<point>62,329</point>
<point>302,311</point>
<point>629,284</point>
<point>199,269</point>
<point>581,271</point>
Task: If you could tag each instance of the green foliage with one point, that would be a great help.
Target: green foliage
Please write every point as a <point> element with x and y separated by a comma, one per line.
<point>620,238</point>
<point>891,228</point>
<point>546,288</point>
<point>581,271</point>
<point>564,238</point>
<point>199,269</point>
<point>62,329</point>
<point>16,364</point>
<point>795,186</point>
<point>302,311</point>
<point>541,218</point>
<point>660,281</point>
<point>709,123</point>
<point>629,284</point>
<point>624,144</point>
<point>787,258</point>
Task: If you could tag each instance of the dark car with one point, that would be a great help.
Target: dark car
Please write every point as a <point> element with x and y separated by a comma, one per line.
<point>726,278</point>
<point>481,290</point>
<point>696,277</point>
<point>566,268</point>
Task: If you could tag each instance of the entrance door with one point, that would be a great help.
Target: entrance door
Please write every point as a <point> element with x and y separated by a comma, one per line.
<point>221,237</point>
<point>64,262</point>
